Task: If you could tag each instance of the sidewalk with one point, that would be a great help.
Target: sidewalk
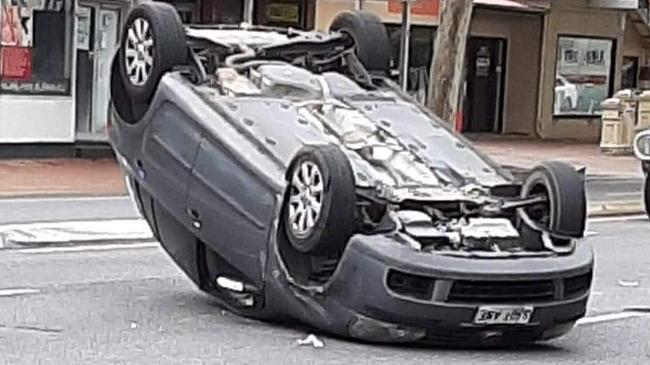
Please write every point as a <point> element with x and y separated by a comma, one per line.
<point>611,180</point>
<point>103,177</point>
<point>54,177</point>
<point>525,153</point>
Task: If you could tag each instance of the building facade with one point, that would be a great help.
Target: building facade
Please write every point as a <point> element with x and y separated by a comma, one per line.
<point>534,67</point>
<point>55,58</point>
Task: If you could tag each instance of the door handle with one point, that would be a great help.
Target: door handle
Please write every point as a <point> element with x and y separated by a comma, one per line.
<point>193,213</point>
<point>196,223</point>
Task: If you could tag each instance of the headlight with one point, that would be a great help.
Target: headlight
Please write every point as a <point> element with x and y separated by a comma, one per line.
<point>642,145</point>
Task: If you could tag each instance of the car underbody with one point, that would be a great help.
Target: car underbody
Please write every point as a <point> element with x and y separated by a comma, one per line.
<point>421,238</point>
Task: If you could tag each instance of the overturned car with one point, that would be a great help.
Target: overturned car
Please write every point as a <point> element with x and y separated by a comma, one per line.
<point>289,177</point>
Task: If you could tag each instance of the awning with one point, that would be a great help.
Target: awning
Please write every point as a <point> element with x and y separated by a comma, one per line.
<point>514,5</point>
<point>432,7</point>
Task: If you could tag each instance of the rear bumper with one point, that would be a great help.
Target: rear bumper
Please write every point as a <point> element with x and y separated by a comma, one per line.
<point>368,308</point>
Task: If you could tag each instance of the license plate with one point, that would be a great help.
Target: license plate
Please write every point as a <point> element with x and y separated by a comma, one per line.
<point>489,314</point>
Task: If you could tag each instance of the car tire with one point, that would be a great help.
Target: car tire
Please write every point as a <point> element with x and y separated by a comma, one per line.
<point>321,186</point>
<point>646,195</point>
<point>565,212</point>
<point>153,32</point>
<point>370,37</point>
<point>120,100</point>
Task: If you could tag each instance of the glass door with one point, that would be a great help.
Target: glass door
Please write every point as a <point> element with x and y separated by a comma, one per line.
<point>97,40</point>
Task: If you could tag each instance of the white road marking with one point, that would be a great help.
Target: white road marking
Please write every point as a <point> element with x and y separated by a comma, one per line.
<point>610,317</point>
<point>18,291</point>
<point>619,218</point>
<point>86,248</point>
<point>76,231</point>
<point>625,193</point>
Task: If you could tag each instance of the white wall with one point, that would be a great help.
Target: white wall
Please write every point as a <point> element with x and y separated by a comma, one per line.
<point>27,119</point>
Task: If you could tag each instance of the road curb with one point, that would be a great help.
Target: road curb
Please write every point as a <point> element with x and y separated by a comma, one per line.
<point>30,235</point>
<point>610,209</point>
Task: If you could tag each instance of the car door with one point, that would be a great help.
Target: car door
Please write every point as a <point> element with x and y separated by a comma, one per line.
<point>170,146</point>
<point>231,207</point>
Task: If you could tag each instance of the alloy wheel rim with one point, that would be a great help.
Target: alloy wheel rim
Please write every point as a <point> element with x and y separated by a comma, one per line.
<point>139,52</point>
<point>306,198</point>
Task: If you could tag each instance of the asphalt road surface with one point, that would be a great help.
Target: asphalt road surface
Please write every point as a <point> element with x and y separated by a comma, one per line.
<point>130,305</point>
<point>611,189</point>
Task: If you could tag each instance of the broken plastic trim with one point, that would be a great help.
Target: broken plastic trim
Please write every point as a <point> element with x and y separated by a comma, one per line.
<point>547,241</point>
<point>370,329</point>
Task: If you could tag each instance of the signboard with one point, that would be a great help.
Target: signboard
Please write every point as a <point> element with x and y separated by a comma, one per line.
<point>283,13</point>
<point>16,63</point>
<point>615,4</point>
<point>419,7</point>
<point>16,23</point>
<point>83,28</point>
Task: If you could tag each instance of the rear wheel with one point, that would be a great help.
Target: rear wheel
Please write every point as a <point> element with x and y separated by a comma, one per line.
<point>370,37</point>
<point>646,194</point>
<point>153,42</point>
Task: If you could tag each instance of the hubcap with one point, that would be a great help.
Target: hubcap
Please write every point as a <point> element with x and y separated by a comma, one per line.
<point>139,52</point>
<point>306,198</point>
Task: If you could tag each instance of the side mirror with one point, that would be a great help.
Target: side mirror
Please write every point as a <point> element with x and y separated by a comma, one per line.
<point>642,145</point>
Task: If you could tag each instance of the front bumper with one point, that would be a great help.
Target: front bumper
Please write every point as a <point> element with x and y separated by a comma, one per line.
<point>362,302</point>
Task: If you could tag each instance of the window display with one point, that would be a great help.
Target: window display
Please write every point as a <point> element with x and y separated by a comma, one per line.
<point>420,55</point>
<point>34,41</point>
<point>583,76</point>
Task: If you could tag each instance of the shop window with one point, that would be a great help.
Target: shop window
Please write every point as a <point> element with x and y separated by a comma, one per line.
<point>231,12</point>
<point>420,56</point>
<point>35,45</point>
<point>583,75</point>
<point>188,10</point>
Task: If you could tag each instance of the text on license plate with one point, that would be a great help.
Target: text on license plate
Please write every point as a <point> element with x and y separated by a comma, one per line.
<point>489,314</point>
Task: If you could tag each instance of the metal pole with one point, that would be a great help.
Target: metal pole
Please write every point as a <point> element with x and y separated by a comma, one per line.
<point>404,44</point>
<point>248,11</point>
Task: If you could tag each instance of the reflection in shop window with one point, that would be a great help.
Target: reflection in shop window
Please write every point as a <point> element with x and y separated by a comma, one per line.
<point>35,45</point>
<point>284,13</point>
<point>420,55</point>
<point>583,75</point>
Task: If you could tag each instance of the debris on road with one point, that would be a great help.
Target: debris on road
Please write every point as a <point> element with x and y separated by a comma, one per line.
<point>311,340</point>
<point>628,284</point>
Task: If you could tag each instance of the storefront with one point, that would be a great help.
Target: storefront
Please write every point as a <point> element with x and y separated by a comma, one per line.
<point>55,59</point>
<point>281,13</point>
<point>537,68</point>
<point>36,73</point>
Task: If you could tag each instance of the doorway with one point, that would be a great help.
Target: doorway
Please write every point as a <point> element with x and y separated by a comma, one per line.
<point>485,79</point>
<point>96,43</point>
<point>629,72</point>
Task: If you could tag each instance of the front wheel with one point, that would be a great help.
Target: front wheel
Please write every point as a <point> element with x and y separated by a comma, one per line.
<point>564,209</point>
<point>646,194</point>
<point>319,209</point>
